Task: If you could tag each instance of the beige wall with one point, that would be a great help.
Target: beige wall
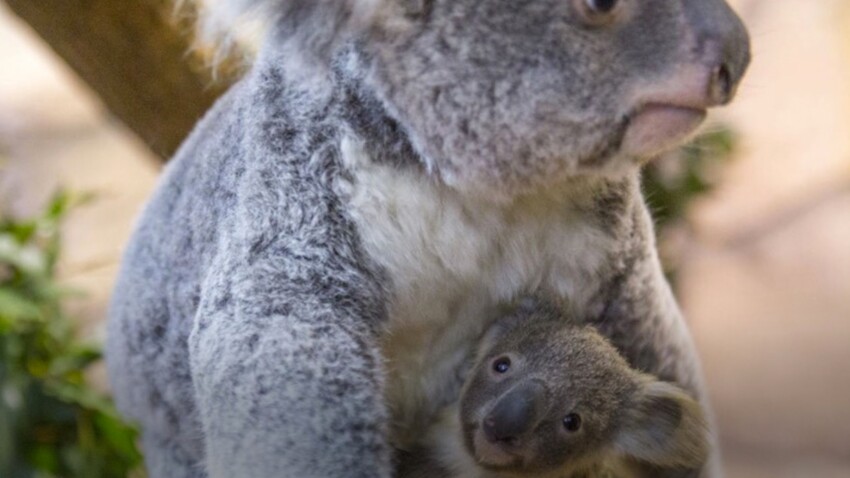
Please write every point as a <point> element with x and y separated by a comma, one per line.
<point>766,283</point>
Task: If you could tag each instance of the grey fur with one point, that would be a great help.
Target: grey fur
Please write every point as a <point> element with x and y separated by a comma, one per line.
<point>245,326</point>
<point>495,92</point>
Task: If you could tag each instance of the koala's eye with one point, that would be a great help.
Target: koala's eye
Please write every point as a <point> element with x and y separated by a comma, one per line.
<point>601,6</point>
<point>502,365</point>
<point>598,12</point>
<point>572,422</point>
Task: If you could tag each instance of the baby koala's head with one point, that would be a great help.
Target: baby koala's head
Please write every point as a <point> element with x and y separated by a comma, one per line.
<point>547,396</point>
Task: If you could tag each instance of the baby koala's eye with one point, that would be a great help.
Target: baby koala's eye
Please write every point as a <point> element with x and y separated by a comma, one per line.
<point>572,422</point>
<point>502,365</point>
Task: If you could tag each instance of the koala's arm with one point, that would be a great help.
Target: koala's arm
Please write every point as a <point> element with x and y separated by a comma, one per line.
<point>289,393</point>
<point>283,350</point>
<point>641,318</point>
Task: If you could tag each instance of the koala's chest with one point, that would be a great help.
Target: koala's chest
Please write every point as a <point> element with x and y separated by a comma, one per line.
<point>451,260</point>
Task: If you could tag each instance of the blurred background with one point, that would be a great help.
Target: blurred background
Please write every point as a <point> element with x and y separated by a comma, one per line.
<point>754,225</point>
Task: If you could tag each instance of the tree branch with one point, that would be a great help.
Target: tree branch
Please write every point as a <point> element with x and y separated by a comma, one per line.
<point>135,57</point>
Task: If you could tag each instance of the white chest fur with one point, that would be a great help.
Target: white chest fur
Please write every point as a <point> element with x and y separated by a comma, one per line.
<point>451,260</point>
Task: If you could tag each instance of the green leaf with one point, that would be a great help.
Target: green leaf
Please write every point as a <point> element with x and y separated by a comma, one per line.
<point>15,306</point>
<point>76,359</point>
<point>74,394</point>
<point>53,424</point>
<point>44,458</point>
<point>120,436</point>
<point>21,231</point>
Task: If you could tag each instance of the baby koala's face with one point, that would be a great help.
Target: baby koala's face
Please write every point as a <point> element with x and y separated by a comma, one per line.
<point>549,396</point>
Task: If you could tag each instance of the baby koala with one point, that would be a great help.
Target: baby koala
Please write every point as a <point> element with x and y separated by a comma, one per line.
<point>550,398</point>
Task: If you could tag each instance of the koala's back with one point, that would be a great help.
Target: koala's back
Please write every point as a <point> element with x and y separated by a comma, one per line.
<point>159,285</point>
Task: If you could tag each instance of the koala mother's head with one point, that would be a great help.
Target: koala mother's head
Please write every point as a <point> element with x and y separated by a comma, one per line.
<point>507,95</point>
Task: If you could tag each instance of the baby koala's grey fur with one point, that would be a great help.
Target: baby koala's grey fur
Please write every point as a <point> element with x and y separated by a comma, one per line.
<point>323,248</point>
<point>555,368</point>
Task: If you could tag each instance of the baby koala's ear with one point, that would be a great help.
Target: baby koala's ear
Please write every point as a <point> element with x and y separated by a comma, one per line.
<point>665,427</point>
<point>510,316</point>
<point>505,322</point>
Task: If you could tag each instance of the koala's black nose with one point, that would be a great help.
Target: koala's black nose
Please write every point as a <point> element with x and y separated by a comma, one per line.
<point>721,85</point>
<point>515,414</point>
<point>726,70</point>
<point>722,45</point>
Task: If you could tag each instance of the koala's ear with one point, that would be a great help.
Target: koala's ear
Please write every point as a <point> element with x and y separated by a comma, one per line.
<point>504,323</point>
<point>510,316</point>
<point>665,427</point>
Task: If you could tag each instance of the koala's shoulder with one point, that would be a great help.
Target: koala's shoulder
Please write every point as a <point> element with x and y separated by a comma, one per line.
<point>264,149</point>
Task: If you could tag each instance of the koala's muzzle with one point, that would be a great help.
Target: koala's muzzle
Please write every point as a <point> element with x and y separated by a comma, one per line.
<point>515,414</point>
<point>713,60</point>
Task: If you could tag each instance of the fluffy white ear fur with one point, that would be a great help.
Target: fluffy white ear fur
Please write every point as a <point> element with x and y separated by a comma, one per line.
<point>665,427</point>
<point>315,25</point>
<point>223,21</point>
<point>224,30</point>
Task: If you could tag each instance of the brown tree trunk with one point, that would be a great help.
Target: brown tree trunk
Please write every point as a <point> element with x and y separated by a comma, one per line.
<point>135,57</point>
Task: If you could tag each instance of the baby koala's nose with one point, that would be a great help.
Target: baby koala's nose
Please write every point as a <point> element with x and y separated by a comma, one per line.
<point>515,414</point>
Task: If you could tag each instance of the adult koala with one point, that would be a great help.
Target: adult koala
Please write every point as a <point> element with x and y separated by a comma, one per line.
<point>329,239</point>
